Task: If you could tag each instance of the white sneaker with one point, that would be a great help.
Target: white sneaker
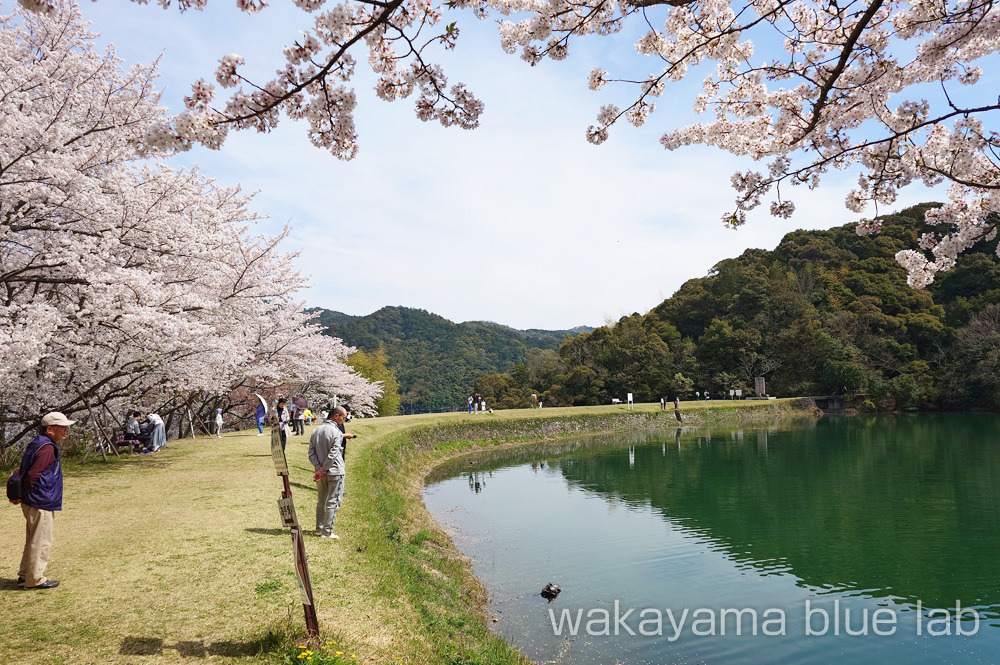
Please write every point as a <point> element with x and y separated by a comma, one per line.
<point>333,536</point>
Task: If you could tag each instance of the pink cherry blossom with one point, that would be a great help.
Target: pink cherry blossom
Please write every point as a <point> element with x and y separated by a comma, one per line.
<point>129,284</point>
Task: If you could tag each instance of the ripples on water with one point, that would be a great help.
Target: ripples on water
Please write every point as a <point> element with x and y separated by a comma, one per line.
<point>864,513</point>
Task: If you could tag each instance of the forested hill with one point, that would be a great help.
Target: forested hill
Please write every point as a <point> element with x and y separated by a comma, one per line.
<point>437,360</point>
<point>824,310</point>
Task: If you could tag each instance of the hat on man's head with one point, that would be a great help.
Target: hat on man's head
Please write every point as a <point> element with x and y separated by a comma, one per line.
<point>56,418</point>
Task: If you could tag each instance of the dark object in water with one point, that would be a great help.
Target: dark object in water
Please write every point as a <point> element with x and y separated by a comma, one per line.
<point>550,591</point>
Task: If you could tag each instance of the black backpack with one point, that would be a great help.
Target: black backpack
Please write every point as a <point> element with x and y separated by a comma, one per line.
<point>14,486</point>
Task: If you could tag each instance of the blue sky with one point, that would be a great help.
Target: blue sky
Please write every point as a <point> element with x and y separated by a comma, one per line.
<point>521,221</point>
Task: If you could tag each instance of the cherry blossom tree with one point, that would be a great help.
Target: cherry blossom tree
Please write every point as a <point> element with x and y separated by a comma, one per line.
<point>126,283</point>
<point>803,86</point>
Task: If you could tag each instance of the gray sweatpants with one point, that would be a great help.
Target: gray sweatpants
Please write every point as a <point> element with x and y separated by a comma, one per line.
<point>330,492</point>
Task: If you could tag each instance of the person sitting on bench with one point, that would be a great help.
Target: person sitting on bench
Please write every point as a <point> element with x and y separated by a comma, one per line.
<point>133,432</point>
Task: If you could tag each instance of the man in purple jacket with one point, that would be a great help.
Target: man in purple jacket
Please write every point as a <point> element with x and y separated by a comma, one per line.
<point>41,492</point>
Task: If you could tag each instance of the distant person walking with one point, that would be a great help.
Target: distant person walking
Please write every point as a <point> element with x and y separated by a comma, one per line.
<point>298,417</point>
<point>260,413</point>
<point>663,403</point>
<point>470,403</point>
<point>218,423</point>
<point>328,461</point>
<point>41,492</point>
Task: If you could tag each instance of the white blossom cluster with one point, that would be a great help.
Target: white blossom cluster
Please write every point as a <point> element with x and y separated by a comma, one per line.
<point>130,284</point>
<point>313,82</point>
<point>840,97</point>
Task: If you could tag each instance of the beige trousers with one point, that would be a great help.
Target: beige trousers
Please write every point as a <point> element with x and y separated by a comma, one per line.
<point>37,545</point>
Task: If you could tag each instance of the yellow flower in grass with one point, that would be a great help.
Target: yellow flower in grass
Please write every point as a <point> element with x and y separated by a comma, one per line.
<point>339,653</point>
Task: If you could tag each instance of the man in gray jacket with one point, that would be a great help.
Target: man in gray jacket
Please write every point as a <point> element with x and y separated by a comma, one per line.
<point>327,459</point>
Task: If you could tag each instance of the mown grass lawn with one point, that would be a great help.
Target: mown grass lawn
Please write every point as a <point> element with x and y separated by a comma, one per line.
<point>179,556</point>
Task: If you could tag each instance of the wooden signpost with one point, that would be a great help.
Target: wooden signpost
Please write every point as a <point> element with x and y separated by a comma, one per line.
<point>286,508</point>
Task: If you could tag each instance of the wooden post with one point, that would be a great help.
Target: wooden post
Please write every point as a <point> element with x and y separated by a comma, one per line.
<point>191,421</point>
<point>289,519</point>
<point>108,411</point>
<point>101,434</point>
<point>302,564</point>
<point>97,433</point>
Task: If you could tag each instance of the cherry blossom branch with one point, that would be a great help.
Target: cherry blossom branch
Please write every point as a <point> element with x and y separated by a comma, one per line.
<point>845,55</point>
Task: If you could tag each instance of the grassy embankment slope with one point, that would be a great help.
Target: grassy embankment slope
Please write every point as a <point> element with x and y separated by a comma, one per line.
<point>178,556</point>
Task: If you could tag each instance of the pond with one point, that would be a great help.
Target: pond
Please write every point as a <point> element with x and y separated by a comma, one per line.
<point>860,540</point>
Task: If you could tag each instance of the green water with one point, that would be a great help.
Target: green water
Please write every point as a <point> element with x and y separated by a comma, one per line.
<point>850,515</point>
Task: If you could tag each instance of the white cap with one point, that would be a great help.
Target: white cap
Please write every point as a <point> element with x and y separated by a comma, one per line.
<point>56,418</point>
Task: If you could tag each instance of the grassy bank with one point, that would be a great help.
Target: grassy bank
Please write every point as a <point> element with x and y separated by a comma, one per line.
<point>178,556</point>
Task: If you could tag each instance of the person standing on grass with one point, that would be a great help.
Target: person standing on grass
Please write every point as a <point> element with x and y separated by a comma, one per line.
<point>41,492</point>
<point>282,415</point>
<point>218,423</point>
<point>157,432</point>
<point>261,414</point>
<point>328,461</point>
<point>342,426</point>
<point>299,417</point>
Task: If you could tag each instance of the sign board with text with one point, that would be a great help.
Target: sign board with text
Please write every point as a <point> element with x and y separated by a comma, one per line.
<point>287,509</point>
<point>280,465</point>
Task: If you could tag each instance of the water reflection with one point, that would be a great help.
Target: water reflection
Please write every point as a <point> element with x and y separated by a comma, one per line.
<point>477,481</point>
<point>893,511</point>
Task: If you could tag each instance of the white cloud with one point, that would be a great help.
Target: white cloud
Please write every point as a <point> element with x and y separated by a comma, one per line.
<point>520,221</point>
